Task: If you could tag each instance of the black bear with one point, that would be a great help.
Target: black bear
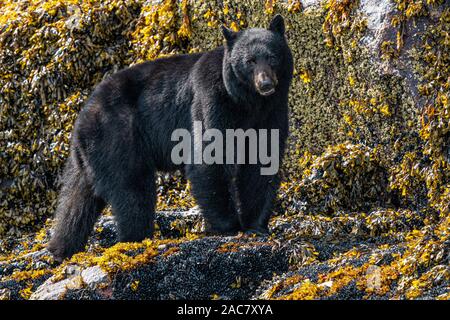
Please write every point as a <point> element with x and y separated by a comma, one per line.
<point>123,136</point>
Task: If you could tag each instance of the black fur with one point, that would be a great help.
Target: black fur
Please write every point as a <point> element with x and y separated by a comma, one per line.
<point>123,135</point>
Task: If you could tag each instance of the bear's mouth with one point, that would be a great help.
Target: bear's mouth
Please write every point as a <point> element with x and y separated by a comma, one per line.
<point>266,92</point>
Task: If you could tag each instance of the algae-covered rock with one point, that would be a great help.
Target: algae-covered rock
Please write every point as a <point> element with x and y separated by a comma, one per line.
<point>186,267</point>
<point>307,256</point>
<point>344,177</point>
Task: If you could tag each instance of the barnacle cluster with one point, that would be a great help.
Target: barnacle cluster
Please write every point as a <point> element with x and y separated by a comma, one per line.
<point>409,270</point>
<point>161,30</point>
<point>337,19</point>
<point>368,164</point>
<point>51,54</point>
<point>345,176</point>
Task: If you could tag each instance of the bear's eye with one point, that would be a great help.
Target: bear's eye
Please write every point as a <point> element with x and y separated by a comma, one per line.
<point>272,60</point>
<point>251,61</point>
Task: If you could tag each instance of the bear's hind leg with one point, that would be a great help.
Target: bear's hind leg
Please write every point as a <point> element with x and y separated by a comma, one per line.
<point>133,206</point>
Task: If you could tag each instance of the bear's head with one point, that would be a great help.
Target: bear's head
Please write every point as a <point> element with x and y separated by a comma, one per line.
<point>258,58</point>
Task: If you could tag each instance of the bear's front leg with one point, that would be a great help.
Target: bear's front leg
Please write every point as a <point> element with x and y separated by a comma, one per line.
<point>210,188</point>
<point>256,195</point>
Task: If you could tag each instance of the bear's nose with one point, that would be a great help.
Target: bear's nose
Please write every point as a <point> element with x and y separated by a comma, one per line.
<point>265,85</point>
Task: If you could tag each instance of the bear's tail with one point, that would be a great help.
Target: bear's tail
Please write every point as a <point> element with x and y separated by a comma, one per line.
<point>77,210</point>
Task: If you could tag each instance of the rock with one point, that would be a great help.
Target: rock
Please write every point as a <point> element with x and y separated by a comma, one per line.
<point>50,290</point>
<point>37,254</point>
<point>5,294</point>
<point>72,270</point>
<point>327,284</point>
<point>231,267</point>
<point>380,29</point>
<point>378,14</point>
<point>174,224</point>
<point>310,3</point>
<point>171,224</point>
<point>94,277</point>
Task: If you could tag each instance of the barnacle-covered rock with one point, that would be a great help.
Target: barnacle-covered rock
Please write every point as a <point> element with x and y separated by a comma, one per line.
<point>357,255</point>
<point>361,273</point>
<point>166,267</point>
<point>51,54</point>
<point>344,177</point>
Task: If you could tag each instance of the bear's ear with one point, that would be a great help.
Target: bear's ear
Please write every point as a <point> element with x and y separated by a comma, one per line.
<point>277,25</point>
<point>229,35</point>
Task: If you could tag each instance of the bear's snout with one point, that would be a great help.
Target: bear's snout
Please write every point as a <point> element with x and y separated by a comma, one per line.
<point>265,82</point>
